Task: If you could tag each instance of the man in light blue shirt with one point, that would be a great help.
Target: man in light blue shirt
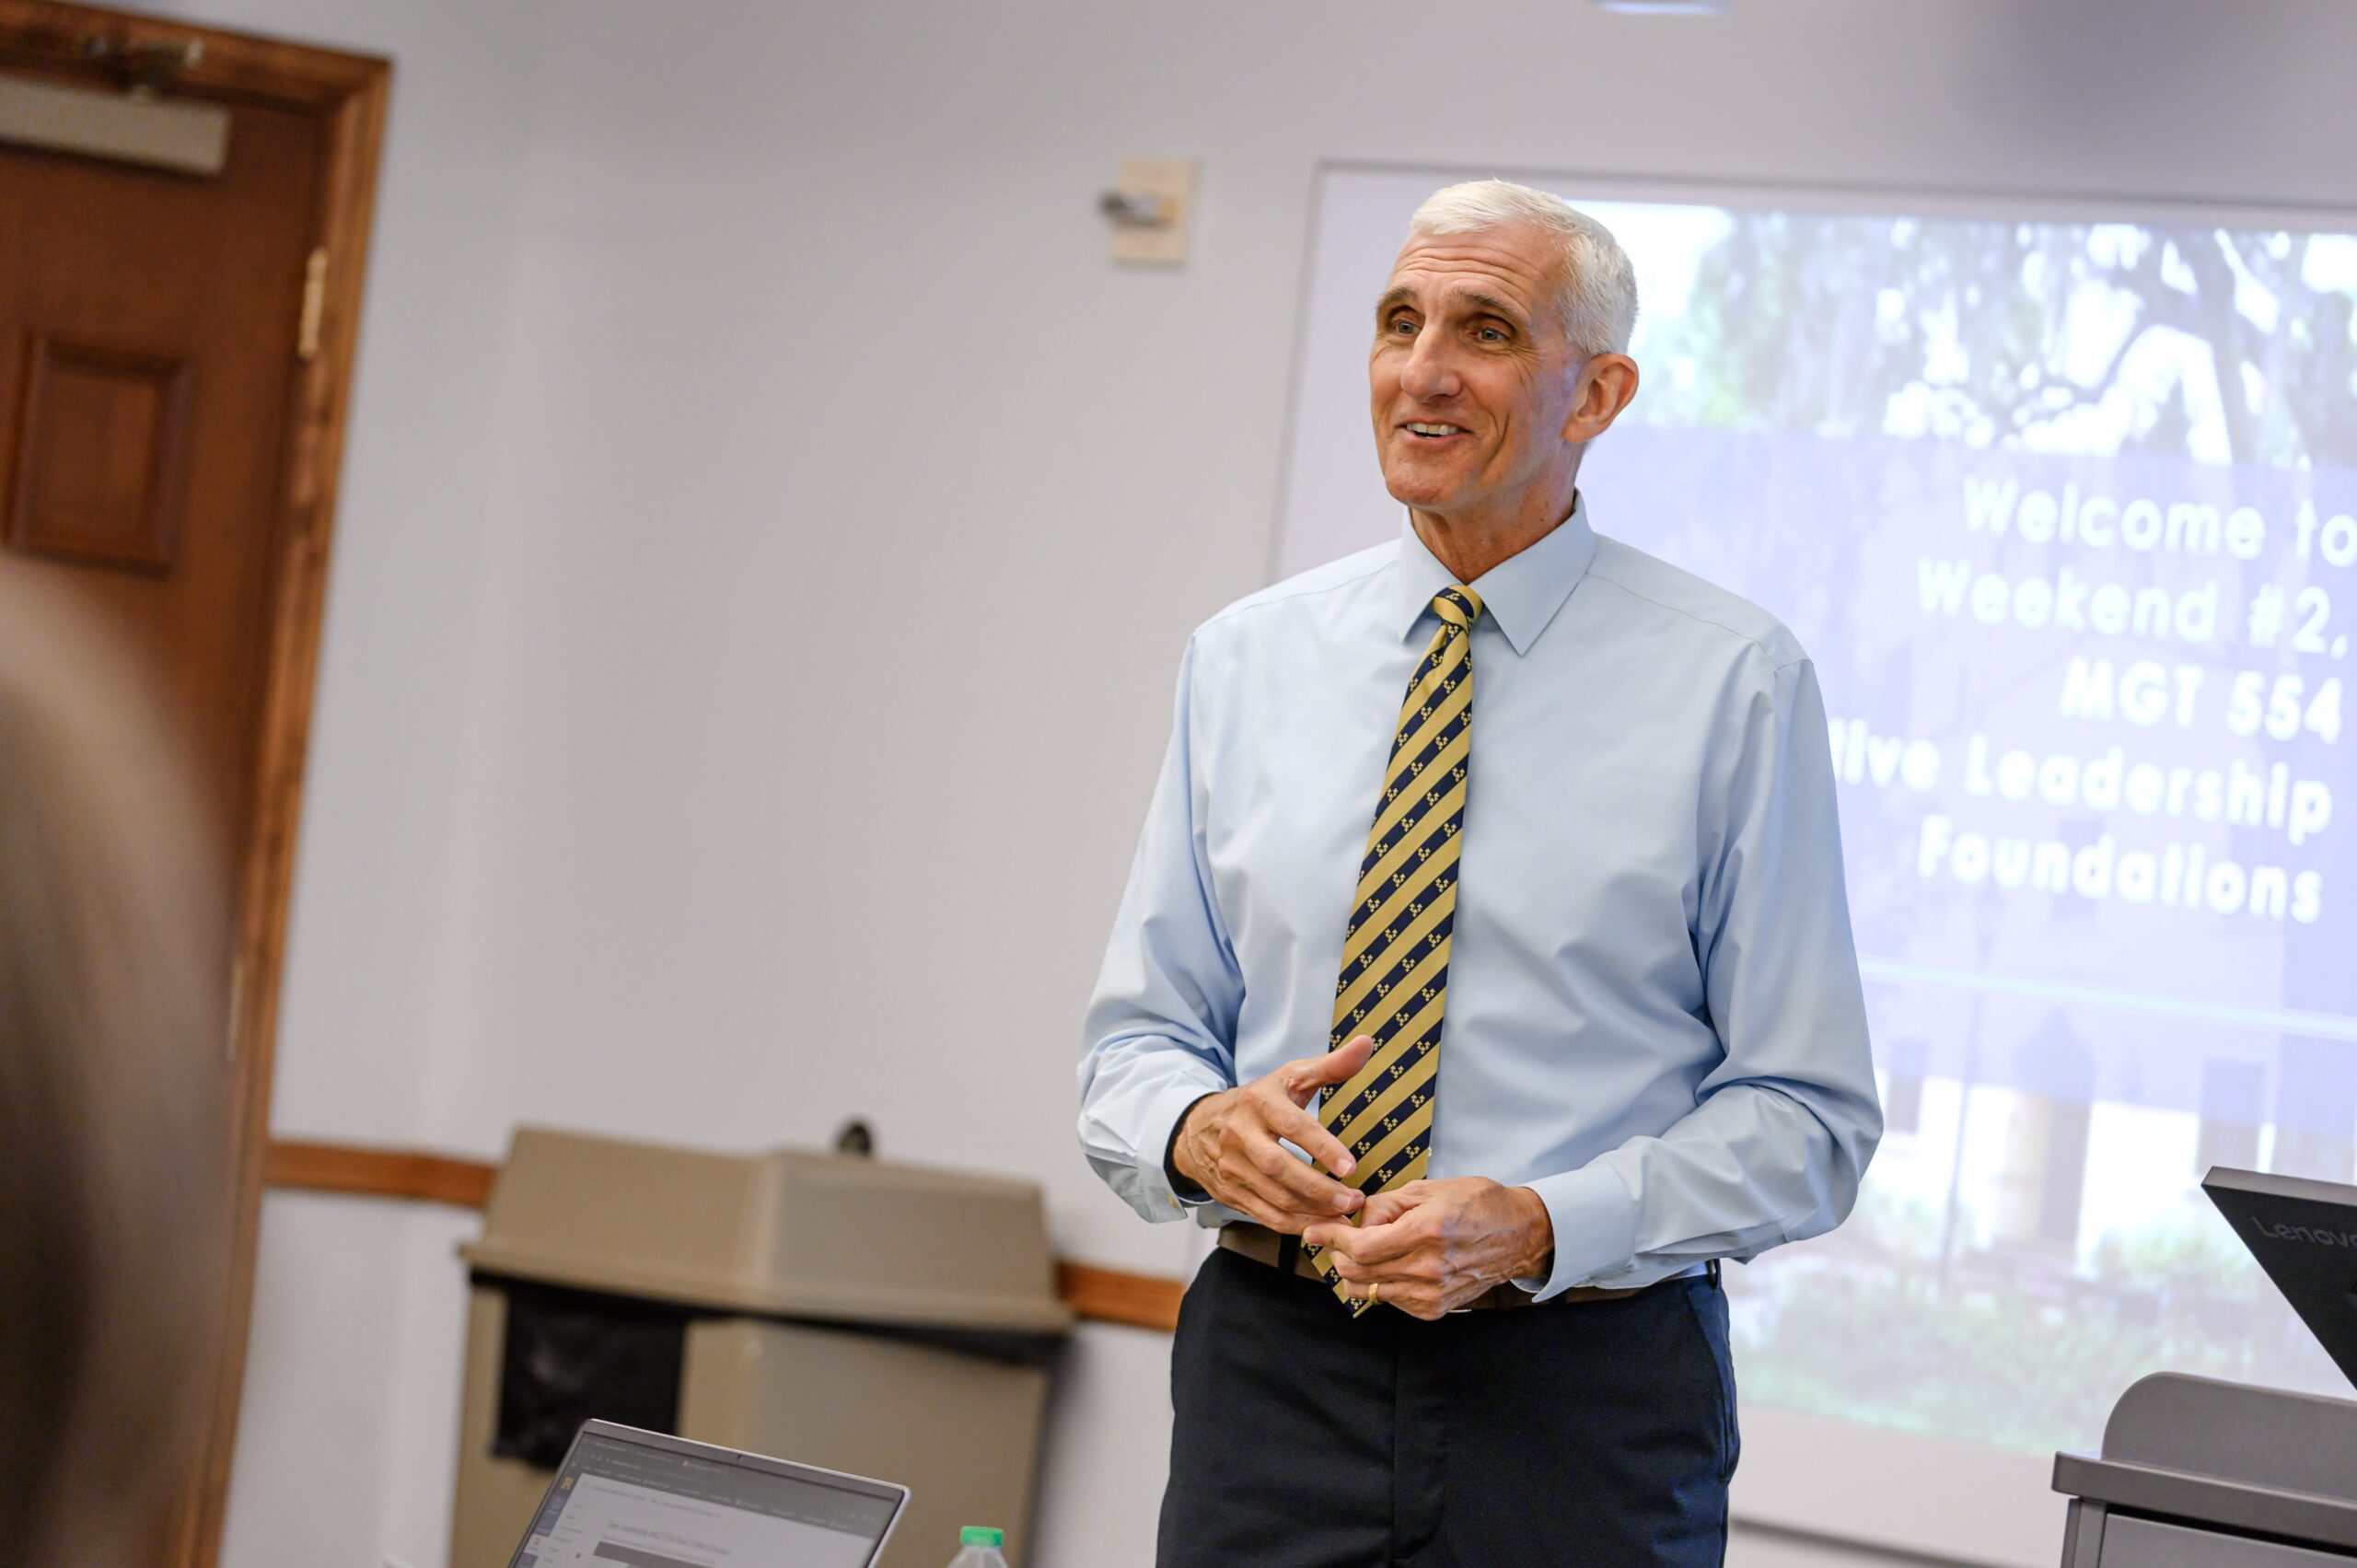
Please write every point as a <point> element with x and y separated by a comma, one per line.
<point>1655,1051</point>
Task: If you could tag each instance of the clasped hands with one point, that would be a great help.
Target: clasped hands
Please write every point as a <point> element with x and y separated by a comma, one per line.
<point>1426,1247</point>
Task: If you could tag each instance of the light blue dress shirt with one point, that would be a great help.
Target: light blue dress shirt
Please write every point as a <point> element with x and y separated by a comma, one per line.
<point>1654,1018</point>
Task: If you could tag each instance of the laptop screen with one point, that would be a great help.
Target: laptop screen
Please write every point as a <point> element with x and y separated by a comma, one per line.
<point>618,1504</point>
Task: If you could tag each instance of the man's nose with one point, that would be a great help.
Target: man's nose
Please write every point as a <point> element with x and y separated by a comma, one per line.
<point>1430,374</point>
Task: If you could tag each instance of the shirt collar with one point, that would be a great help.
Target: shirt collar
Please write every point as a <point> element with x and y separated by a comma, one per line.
<point>1521,593</point>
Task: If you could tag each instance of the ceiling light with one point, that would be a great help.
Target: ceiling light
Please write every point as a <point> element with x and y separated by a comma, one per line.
<point>1665,7</point>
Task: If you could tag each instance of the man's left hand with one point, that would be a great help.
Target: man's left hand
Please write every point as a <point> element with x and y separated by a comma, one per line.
<point>1430,1247</point>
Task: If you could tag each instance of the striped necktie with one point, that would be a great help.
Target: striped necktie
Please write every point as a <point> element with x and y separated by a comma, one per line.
<point>1395,955</point>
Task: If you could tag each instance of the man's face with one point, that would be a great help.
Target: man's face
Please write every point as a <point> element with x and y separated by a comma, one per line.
<point>1472,379</point>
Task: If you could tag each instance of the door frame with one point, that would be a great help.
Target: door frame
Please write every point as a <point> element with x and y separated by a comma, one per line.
<point>346,95</point>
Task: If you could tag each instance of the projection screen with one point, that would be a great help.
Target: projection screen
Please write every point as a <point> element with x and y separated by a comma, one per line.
<point>2063,501</point>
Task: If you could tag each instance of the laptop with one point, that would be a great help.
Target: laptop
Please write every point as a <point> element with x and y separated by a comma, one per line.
<point>628,1499</point>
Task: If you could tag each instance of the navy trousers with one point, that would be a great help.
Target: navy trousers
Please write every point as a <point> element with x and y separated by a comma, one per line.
<point>1598,1433</point>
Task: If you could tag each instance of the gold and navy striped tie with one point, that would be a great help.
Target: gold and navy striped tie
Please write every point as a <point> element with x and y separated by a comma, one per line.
<point>1395,955</point>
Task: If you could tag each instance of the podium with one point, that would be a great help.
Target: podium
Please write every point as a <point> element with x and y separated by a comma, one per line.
<point>2198,1473</point>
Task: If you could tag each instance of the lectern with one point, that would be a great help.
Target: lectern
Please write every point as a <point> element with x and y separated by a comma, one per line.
<point>2198,1473</point>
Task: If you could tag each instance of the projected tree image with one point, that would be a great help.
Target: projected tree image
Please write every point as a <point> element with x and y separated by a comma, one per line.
<point>2059,337</point>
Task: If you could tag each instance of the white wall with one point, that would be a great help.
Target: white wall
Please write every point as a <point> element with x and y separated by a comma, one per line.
<point>770,525</point>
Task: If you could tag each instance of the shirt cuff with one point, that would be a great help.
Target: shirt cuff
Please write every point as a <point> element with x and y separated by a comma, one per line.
<point>1595,1219</point>
<point>1181,1186</point>
<point>1168,1110</point>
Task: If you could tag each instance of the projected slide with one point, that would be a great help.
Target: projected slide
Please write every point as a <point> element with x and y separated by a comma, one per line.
<point>2066,509</point>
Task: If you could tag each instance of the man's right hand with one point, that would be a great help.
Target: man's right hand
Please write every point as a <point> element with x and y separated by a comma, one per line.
<point>1227,1144</point>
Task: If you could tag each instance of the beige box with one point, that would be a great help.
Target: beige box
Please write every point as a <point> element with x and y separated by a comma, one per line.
<point>885,1319</point>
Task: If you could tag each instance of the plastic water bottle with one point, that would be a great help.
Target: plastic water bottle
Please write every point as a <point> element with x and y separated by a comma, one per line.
<point>978,1546</point>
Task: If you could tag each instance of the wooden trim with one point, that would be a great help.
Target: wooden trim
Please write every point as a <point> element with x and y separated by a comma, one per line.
<point>235,65</point>
<point>1113,1295</point>
<point>349,93</point>
<point>379,1173</point>
<point>1098,1296</point>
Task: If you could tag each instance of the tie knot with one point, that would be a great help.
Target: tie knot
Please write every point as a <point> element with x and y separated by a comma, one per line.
<point>1461,606</point>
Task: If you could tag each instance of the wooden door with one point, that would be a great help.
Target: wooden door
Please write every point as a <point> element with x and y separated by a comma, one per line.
<point>175,348</point>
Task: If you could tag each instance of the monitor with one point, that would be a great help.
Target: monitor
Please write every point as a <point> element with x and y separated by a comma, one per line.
<point>623,1498</point>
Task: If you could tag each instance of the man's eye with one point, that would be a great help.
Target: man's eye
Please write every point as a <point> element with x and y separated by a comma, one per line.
<point>1403,324</point>
<point>1490,334</point>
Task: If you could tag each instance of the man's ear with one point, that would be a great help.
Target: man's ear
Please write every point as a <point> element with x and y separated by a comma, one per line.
<point>1607,385</point>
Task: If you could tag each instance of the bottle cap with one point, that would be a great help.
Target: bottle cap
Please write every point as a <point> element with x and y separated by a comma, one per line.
<point>980,1535</point>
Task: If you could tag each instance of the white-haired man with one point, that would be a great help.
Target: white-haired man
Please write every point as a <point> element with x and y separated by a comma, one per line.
<point>1568,970</point>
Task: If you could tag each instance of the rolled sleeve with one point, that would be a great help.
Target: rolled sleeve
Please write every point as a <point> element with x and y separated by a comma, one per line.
<point>1118,1133</point>
<point>1161,1030</point>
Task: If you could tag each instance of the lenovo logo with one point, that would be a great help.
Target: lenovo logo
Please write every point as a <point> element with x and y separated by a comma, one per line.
<point>2302,1233</point>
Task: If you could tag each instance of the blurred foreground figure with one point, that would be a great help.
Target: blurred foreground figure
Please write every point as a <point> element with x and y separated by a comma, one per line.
<point>111,1251</point>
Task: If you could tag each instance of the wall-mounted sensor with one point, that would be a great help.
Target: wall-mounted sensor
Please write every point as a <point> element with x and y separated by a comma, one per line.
<point>1150,210</point>
<point>1135,209</point>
